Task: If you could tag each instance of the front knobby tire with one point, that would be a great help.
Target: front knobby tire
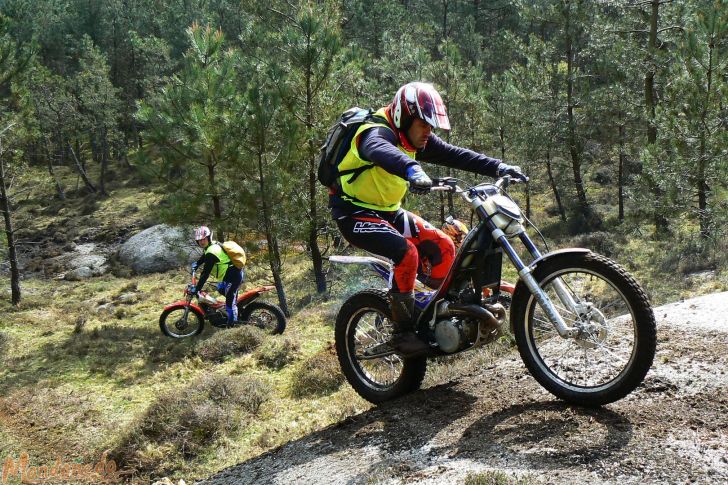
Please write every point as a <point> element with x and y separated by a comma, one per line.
<point>617,345</point>
<point>364,321</point>
<point>173,323</point>
<point>264,315</point>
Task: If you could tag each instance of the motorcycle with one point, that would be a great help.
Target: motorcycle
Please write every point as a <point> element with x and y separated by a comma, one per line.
<point>583,325</point>
<point>184,318</point>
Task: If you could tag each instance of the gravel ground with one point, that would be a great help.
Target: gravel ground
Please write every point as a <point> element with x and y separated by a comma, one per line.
<point>672,429</point>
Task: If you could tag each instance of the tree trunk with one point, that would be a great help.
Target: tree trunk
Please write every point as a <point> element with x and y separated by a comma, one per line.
<point>661,223</point>
<point>81,171</point>
<point>10,235</point>
<point>216,207</point>
<point>104,161</point>
<point>703,189</point>
<point>274,255</point>
<point>59,188</point>
<point>313,245</point>
<point>575,149</point>
<point>554,188</point>
<point>620,173</point>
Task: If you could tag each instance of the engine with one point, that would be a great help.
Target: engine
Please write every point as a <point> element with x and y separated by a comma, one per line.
<point>454,334</point>
<point>460,326</point>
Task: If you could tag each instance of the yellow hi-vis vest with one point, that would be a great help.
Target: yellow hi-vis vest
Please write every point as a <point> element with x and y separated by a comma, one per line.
<point>374,188</point>
<point>219,270</point>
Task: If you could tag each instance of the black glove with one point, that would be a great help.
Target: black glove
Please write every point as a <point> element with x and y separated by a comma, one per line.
<point>419,182</point>
<point>512,170</point>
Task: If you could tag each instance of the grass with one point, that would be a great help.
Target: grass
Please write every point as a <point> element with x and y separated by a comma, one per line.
<point>496,477</point>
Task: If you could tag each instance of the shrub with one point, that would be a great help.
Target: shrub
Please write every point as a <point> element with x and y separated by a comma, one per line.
<point>277,353</point>
<point>495,477</point>
<point>188,420</point>
<point>4,344</point>
<point>248,393</point>
<point>241,340</point>
<point>316,376</point>
<point>600,242</point>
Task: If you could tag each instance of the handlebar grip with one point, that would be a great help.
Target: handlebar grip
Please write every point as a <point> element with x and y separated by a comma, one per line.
<point>441,188</point>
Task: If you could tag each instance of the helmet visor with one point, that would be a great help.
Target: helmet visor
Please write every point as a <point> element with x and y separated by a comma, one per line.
<point>432,109</point>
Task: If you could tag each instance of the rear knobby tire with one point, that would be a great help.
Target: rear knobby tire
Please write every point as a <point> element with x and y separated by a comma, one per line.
<point>613,358</point>
<point>364,320</point>
<point>264,315</point>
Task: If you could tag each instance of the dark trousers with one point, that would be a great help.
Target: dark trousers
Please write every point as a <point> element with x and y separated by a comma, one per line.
<point>231,284</point>
<point>415,246</point>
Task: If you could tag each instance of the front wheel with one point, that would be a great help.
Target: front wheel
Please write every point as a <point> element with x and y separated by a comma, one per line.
<point>181,322</point>
<point>364,322</point>
<point>616,343</point>
<point>263,315</point>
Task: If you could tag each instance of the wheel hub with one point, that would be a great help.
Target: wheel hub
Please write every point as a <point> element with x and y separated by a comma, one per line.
<point>592,326</point>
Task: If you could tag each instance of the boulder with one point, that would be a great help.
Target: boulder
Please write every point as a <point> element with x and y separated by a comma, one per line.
<point>78,274</point>
<point>158,249</point>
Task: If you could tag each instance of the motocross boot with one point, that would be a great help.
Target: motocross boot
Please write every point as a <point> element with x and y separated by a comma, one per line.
<point>404,339</point>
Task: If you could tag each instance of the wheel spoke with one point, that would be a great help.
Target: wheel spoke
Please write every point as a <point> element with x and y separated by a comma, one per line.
<point>593,359</point>
<point>371,329</point>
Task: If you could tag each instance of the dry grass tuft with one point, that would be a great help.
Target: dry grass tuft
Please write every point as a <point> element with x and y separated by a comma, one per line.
<point>277,353</point>
<point>235,341</point>
<point>183,423</point>
<point>316,376</point>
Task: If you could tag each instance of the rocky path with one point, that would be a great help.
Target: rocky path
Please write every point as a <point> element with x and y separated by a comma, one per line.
<point>673,429</point>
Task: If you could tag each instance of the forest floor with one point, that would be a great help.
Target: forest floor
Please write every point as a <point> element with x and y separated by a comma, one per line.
<point>496,425</point>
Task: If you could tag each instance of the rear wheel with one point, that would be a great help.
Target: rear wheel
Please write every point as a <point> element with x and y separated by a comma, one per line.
<point>181,322</point>
<point>616,344</point>
<point>364,322</point>
<point>263,315</point>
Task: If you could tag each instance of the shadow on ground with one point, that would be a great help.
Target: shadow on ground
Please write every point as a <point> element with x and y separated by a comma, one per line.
<point>431,427</point>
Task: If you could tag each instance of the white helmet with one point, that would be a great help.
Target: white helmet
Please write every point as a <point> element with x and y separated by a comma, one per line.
<point>202,232</point>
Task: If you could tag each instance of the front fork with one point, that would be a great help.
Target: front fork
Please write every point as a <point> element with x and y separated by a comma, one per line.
<point>542,298</point>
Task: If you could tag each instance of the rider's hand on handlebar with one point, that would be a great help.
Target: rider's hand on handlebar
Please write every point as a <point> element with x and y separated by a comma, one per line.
<point>513,170</point>
<point>419,182</point>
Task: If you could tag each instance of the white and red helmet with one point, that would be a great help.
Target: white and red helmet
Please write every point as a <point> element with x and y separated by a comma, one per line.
<point>419,100</point>
<point>202,232</point>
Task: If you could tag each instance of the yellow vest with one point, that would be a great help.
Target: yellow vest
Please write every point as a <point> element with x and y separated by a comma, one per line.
<point>220,268</point>
<point>374,188</point>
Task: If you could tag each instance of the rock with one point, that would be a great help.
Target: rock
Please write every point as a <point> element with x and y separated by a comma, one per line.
<point>106,308</point>
<point>78,274</point>
<point>158,249</point>
<point>167,481</point>
<point>127,298</point>
<point>92,261</point>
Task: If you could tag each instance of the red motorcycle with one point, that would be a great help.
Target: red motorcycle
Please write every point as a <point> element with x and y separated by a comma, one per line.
<point>184,318</point>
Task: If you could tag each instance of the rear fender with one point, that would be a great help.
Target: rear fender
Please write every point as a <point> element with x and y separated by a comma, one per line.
<point>522,292</point>
<point>252,295</point>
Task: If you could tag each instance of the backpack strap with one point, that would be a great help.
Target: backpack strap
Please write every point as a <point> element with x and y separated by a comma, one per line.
<point>360,170</point>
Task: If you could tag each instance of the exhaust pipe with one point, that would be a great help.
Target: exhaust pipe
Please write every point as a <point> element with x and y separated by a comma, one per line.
<point>492,315</point>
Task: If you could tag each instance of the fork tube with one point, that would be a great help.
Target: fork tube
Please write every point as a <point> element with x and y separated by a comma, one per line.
<point>563,293</point>
<point>525,273</point>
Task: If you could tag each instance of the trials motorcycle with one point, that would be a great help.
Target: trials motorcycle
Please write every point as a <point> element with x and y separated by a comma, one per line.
<point>583,326</point>
<point>184,318</point>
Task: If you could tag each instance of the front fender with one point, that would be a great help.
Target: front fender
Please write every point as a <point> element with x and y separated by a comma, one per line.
<point>183,303</point>
<point>522,292</point>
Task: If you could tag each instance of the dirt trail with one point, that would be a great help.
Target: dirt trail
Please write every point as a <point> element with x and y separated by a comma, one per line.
<point>673,429</point>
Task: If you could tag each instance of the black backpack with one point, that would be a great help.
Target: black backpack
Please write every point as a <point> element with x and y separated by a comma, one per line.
<point>338,141</point>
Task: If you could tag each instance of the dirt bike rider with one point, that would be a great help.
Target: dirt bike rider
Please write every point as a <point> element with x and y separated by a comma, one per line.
<point>366,201</point>
<point>219,264</point>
